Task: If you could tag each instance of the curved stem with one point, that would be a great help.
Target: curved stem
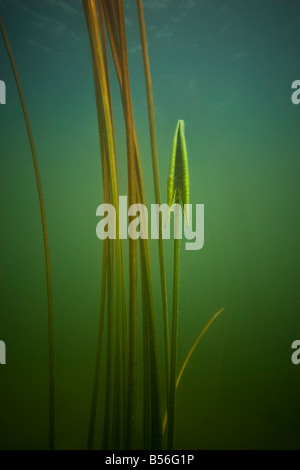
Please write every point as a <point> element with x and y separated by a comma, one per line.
<point>190,354</point>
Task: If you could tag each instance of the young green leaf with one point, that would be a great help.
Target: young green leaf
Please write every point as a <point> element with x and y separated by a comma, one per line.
<point>178,179</point>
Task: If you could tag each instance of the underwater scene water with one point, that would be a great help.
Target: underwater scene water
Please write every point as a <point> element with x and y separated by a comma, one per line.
<point>226,68</point>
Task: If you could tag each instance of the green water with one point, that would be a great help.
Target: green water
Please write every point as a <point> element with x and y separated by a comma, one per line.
<point>226,68</point>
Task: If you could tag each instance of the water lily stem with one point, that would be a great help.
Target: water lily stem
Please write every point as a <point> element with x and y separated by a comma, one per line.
<point>172,391</point>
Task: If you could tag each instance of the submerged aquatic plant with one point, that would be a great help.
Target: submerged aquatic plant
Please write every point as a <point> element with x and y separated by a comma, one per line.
<point>157,191</point>
<point>178,193</point>
<point>120,419</point>
<point>200,336</point>
<point>123,383</point>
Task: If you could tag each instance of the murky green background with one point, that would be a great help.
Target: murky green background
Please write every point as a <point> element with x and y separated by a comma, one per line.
<point>226,68</point>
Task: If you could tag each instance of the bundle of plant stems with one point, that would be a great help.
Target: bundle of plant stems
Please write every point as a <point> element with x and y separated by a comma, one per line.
<point>123,425</point>
<point>121,382</point>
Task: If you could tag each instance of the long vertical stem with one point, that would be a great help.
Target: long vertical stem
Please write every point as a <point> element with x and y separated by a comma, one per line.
<point>146,366</point>
<point>156,409</point>
<point>115,23</point>
<point>132,372</point>
<point>108,138</point>
<point>107,198</point>
<point>99,348</point>
<point>109,394</point>
<point>45,239</point>
<point>156,433</point>
<point>156,181</point>
<point>172,393</point>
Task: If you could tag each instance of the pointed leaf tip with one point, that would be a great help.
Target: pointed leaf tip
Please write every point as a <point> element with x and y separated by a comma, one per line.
<point>178,179</point>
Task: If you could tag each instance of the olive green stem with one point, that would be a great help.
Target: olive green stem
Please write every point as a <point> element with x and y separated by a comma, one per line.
<point>155,169</point>
<point>107,133</point>
<point>132,331</point>
<point>172,392</point>
<point>156,407</point>
<point>109,395</point>
<point>146,366</point>
<point>188,357</point>
<point>99,349</point>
